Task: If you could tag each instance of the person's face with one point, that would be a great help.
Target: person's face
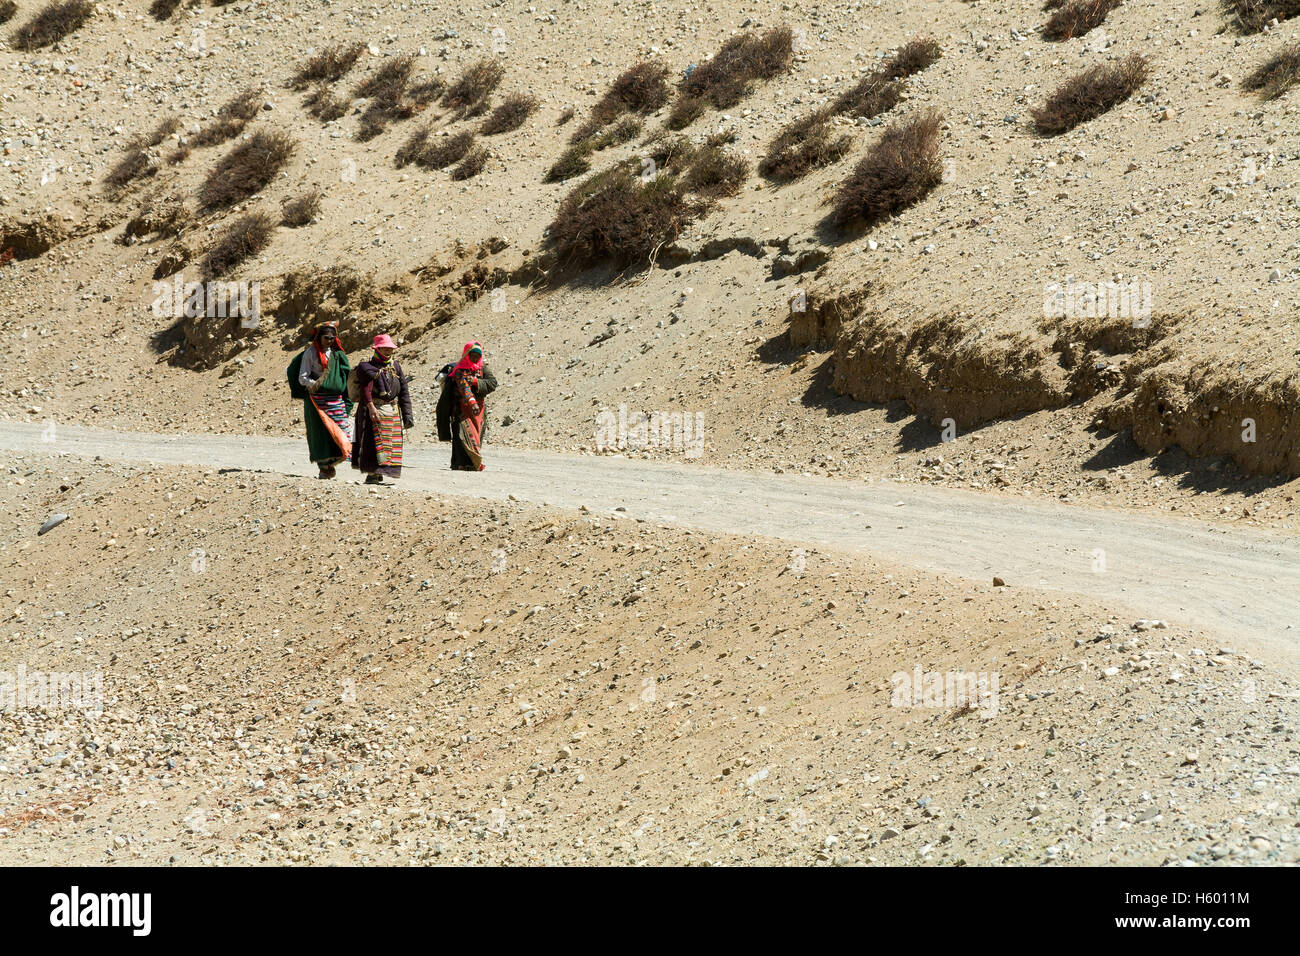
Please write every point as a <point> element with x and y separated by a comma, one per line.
<point>328,340</point>
<point>475,355</point>
<point>385,352</point>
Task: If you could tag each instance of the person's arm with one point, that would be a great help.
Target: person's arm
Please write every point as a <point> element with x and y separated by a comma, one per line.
<point>341,356</point>
<point>487,383</point>
<point>404,398</point>
<point>468,404</point>
<point>309,372</point>
<point>368,397</point>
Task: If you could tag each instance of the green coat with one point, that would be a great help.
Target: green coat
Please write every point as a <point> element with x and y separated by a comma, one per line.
<point>320,445</point>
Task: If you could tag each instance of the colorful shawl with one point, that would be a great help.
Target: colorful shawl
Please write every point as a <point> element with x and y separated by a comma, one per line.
<point>388,438</point>
<point>470,427</point>
<point>333,412</point>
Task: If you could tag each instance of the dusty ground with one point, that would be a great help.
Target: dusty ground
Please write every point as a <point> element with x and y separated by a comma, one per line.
<point>301,673</point>
<point>679,696</point>
<point>1238,583</point>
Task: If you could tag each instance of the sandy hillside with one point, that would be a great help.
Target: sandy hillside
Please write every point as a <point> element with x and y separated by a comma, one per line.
<point>299,673</point>
<point>934,319</point>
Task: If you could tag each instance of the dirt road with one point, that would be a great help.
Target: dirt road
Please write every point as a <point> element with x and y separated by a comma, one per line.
<point>1243,584</point>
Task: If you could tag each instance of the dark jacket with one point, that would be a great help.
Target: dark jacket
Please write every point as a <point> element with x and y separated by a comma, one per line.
<point>388,384</point>
<point>448,412</point>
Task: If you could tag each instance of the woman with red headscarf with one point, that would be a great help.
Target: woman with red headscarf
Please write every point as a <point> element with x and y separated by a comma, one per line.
<point>467,386</point>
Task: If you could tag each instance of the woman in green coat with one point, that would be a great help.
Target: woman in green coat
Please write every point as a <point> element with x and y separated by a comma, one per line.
<point>322,380</point>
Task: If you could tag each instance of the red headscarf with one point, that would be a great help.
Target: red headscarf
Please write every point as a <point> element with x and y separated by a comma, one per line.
<point>468,363</point>
<point>315,339</point>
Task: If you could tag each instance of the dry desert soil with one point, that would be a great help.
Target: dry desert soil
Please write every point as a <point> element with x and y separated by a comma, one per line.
<point>907,459</point>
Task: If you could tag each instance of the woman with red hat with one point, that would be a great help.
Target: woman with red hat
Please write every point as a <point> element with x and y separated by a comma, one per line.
<point>383,414</point>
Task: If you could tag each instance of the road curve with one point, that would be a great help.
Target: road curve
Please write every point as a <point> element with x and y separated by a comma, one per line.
<point>1243,584</point>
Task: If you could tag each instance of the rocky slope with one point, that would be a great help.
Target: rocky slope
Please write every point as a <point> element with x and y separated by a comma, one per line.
<point>1184,190</point>
<point>295,673</point>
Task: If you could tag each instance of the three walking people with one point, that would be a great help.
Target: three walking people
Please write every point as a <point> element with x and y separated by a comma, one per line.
<point>377,392</point>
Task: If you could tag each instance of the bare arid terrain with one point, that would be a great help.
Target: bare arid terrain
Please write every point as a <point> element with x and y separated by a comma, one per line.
<point>302,673</point>
<point>986,380</point>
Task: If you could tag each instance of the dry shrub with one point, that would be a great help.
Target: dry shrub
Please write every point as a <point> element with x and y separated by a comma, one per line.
<point>673,152</point>
<point>472,164</point>
<point>470,93</point>
<point>509,115</point>
<point>138,163</point>
<point>230,120</point>
<point>158,134</point>
<point>1090,94</point>
<point>167,219</point>
<point>140,160</point>
<point>324,105</point>
<point>880,91</point>
<point>392,96</point>
<point>7,10</point>
<point>387,81</point>
<point>1277,75</point>
<point>162,9</point>
<point>328,66</point>
<point>714,172</point>
<point>247,169</point>
<point>1074,18</point>
<point>416,143</point>
<point>803,145</point>
<point>624,131</point>
<point>869,97</point>
<point>423,149</point>
<point>572,162</point>
<point>56,20</point>
<point>618,216</point>
<point>730,75</point>
<point>301,210</point>
<point>899,171</point>
<point>686,110</point>
<point>641,88</point>
<point>246,238</point>
<point>566,114</point>
<point>1252,16</point>
<point>913,57</point>
<point>809,143</point>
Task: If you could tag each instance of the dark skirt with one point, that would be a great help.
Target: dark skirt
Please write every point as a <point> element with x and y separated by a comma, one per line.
<point>462,457</point>
<point>364,457</point>
<point>460,460</point>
